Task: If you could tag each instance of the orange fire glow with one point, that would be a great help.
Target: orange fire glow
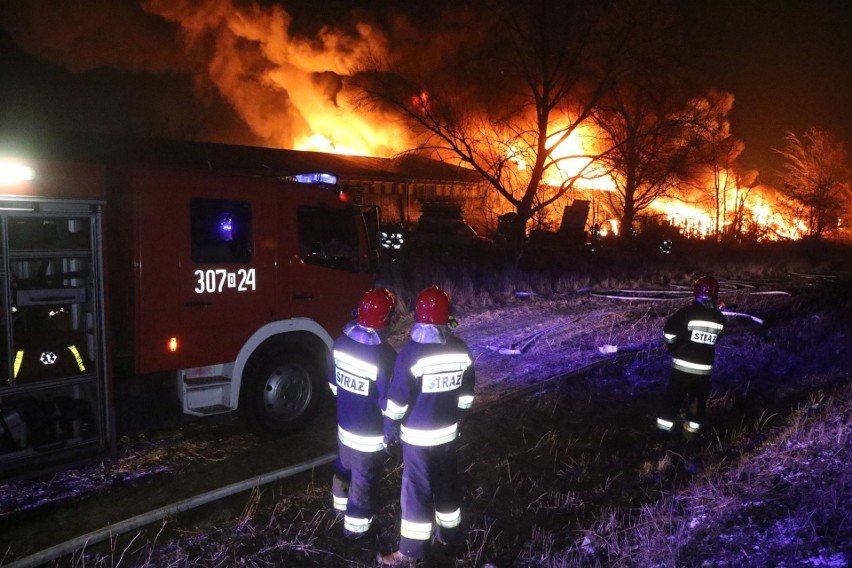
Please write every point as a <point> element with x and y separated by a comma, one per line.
<point>571,162</point>
<point>759,212</point>
<point>691,219</point>
<point>292,91</point>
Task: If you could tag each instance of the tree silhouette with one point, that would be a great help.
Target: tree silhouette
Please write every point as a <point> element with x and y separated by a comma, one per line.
<point>531,75</point>
<point>729,185</point>
<point>817,175</point>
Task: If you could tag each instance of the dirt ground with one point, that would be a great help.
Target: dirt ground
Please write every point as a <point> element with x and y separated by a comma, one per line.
<point>545,463</point>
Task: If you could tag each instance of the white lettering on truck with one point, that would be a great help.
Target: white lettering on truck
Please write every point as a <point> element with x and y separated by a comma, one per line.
<point>215,280</point>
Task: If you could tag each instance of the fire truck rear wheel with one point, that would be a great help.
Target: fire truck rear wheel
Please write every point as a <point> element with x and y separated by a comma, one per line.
<point>281,393</point>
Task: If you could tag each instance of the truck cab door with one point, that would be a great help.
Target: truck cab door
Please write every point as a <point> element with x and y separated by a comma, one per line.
<point>331,266</point>
<point>228,285</point>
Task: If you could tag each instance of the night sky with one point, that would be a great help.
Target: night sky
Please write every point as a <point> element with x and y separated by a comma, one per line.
<point>786,62</point>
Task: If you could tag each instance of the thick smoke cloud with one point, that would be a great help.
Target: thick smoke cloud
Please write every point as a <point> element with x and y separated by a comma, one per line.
<point>227,70</point>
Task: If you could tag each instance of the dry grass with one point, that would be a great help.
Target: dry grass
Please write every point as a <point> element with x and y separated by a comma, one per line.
<point>574,476</point>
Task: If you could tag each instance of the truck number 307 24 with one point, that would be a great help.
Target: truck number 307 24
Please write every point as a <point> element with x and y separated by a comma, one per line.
<point>217,280</point>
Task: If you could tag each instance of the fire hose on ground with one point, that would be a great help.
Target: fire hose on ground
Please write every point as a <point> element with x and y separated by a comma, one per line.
<point>94,537</point>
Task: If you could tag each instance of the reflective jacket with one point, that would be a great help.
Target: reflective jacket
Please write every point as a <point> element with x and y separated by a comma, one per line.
<point>691,335</point>
<point>432,387</point>
<point>362,368</point>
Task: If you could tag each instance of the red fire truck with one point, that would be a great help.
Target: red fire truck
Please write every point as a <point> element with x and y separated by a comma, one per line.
<point>233,283</point>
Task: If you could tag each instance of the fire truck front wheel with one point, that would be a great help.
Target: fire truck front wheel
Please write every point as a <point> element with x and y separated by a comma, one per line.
<point>281,392</point>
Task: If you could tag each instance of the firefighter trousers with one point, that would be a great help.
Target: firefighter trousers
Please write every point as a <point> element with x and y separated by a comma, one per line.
<point>689,391</point>
<point>430,493</point>
<point>355,487</point>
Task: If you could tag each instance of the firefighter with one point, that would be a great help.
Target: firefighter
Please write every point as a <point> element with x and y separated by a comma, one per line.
<point>690,336</point>
<point>431,390</point>
<point>363,363</point>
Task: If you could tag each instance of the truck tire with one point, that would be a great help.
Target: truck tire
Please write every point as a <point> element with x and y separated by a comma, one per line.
<point>281,392</point>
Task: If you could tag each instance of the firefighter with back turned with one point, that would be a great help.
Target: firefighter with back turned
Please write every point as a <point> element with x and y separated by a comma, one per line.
<point>363,363</point>
<point>690,336</point>
<point>431,390</point>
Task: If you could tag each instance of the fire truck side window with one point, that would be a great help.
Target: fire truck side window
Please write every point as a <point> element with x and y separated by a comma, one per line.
<point>221,231</point>
<point>328,237</point>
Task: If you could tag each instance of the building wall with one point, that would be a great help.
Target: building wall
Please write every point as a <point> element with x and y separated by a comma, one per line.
<point>401,200</point>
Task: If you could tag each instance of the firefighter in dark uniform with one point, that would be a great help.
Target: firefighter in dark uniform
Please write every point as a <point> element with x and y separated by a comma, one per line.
<point>363,363</point>
<point>431,391</point>
<point>690,335</point>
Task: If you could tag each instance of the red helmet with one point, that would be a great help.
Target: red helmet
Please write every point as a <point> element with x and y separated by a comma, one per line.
<point>433,306</point>
<point>375,308</point>
<point>706,287</point>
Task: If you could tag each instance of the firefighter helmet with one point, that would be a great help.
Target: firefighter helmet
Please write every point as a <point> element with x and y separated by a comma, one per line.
<point>433,306</point>
<point>375,308</point>
<point>706,287</point>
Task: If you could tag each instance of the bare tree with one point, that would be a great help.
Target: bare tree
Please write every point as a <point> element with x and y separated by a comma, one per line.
<point>716,163</point>
<point>817,175</point>
<point>653,122</point>
<point>504,106</point>
<point>656,134</point>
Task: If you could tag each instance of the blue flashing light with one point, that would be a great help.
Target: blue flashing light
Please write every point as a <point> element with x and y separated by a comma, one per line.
<point>317,178</point>
<point>226,228</point>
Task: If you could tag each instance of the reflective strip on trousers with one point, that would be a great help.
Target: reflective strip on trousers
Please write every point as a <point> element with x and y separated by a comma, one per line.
<point>691,426</point>
<point>664,424</point>
<point>360,443</point>
<point>354,525</point>
<point>395,411</point>
<point>340,503</point>
<point>415,531</point>
<point>428,438</point>
<point>448,520</point>
<point>465,401</point>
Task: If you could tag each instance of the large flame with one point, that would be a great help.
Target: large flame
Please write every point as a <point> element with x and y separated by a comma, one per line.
<point>572,161</point>
<point>756,209</point>
<point>759,212</point>
<point>291,91</point>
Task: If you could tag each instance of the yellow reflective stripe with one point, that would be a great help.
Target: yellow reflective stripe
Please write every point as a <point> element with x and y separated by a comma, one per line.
<point>441,364</point>
<point>395,411</point>
<point>354,365</point>
<point>356,525</point>
<point>437,437</point>
<point>664,424</point>
<point>415,531</point>
<point>360,443</point>
<point>465,401</point>
<point>340,503</point>
<point>669,337</point>
<point>691,426</point>
<point>19,358</point>
<point>77,357</point>
<point>448,520</point>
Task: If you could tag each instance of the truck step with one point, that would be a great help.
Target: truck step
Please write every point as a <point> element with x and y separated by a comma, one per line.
<point>205,382</point>
<point>210,410</point>
<point>204,396</point>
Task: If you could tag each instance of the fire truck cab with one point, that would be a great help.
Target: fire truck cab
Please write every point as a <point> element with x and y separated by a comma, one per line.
<point>234,283</point>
